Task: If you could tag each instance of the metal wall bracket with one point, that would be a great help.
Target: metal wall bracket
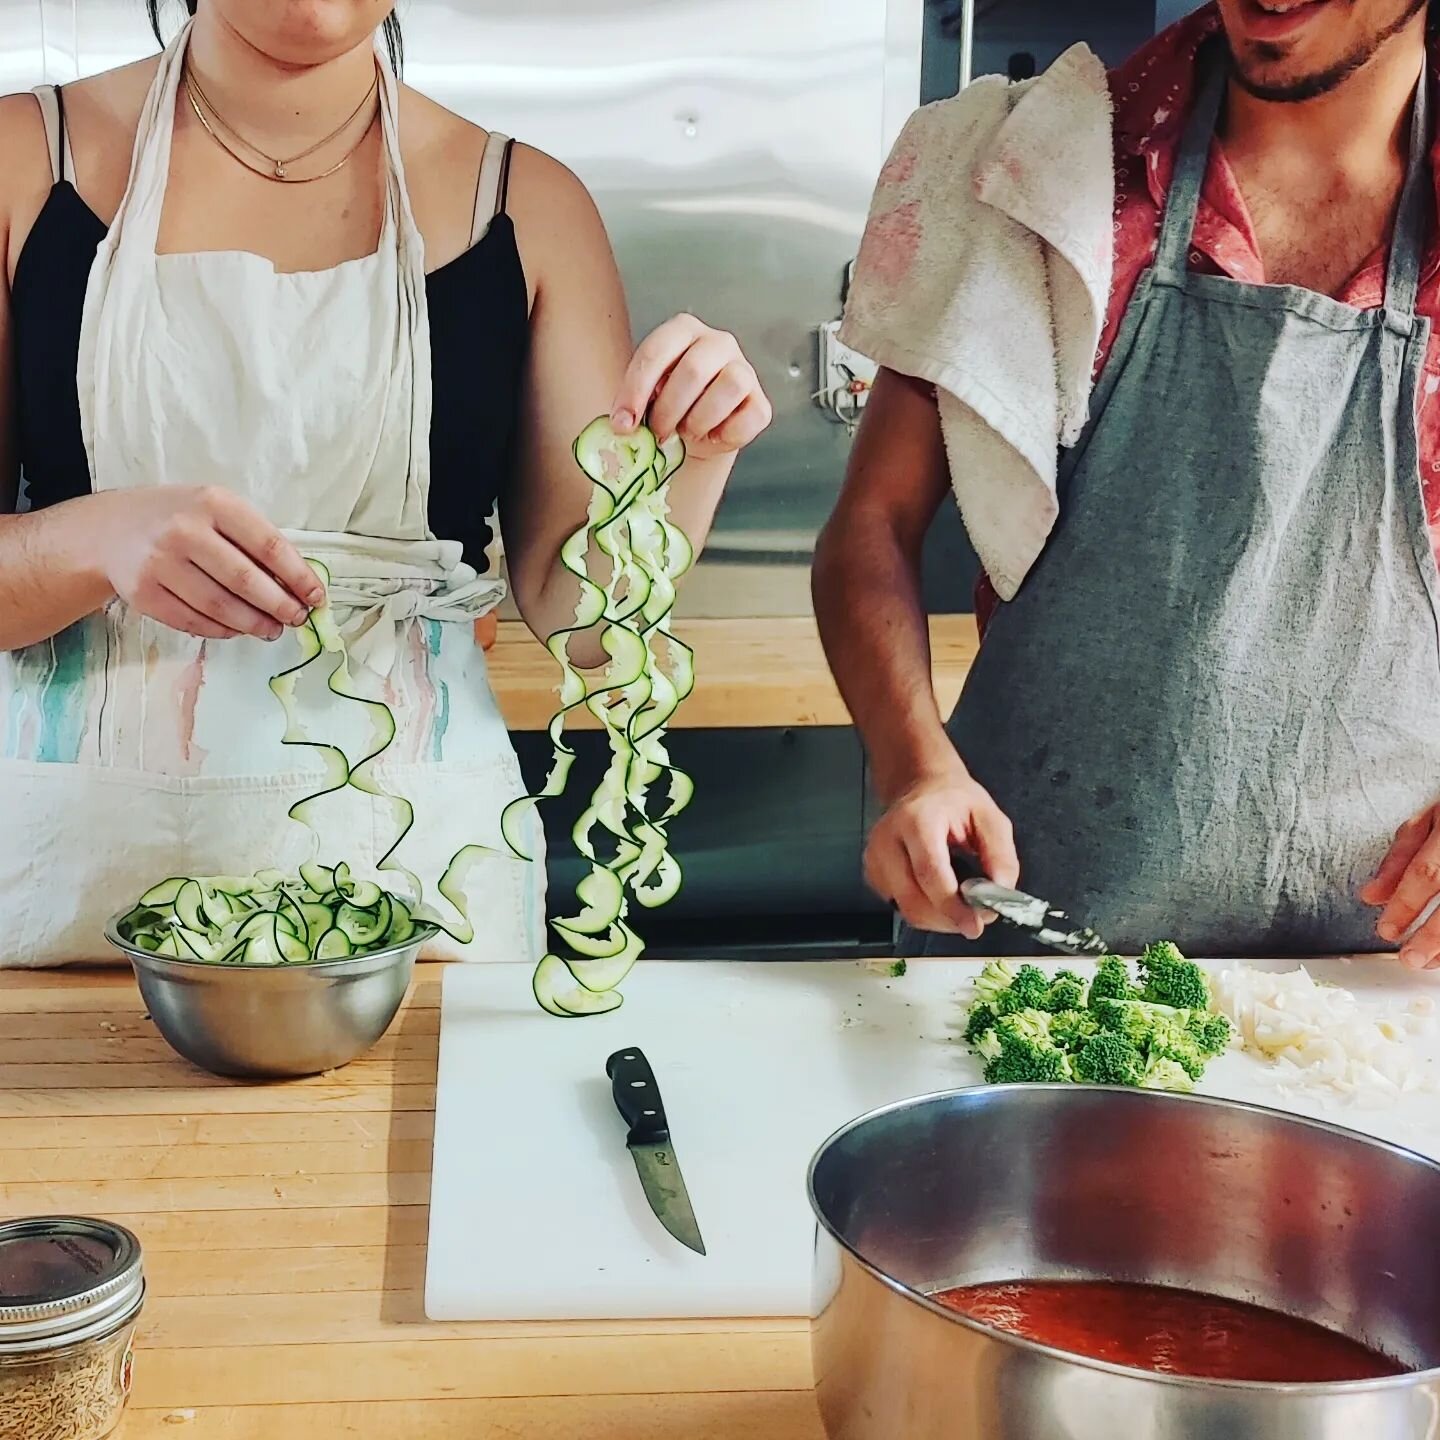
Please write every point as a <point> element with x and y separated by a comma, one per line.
<point>846,377</point>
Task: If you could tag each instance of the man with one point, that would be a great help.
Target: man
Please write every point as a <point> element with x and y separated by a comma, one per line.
<point>1215,697</point>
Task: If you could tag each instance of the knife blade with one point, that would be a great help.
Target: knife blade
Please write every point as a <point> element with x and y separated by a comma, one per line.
<point>1048,926</point>
<point>637,1097</point>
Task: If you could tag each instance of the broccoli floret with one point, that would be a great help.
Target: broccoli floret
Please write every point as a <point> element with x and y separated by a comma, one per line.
<point>982,1017</point>
<point>1171,979</point>
<point>1111,982</point>
<point>1067,992</point>
<point>1030,990</point>
<point>993,981</point>
<point>1027,1025</point>
<point>1164,1033</point>
<point>1138,1019</point>
<point>1211,1033</point>
<point>1179,1046</point>
<point>1028,1028</point>
<point>1070,1029</point>
<point>1006,989</point>
<point>1109,1059</point>
<point>1022,1063</point>
<point>1019,1051</point>
<point>1166,1075</point>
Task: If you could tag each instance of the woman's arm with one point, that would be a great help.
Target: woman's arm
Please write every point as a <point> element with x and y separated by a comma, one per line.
<point>686,379</point>
<point>199,560</point>
<point>46,581</point>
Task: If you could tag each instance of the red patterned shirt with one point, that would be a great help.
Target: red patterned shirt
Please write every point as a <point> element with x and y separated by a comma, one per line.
<point>1152,92</point>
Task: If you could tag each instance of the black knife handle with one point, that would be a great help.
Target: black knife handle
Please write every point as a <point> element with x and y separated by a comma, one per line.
<point>637,1097</point>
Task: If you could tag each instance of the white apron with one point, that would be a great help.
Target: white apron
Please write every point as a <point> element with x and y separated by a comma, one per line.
<point>129,751</point>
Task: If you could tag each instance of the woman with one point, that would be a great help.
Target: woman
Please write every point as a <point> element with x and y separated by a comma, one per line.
<point>263,303</point>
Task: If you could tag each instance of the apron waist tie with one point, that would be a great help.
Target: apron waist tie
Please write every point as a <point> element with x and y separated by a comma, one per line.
<point>376,586</point>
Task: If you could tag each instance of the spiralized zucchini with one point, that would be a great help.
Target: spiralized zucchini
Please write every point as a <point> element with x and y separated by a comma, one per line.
<point>269,918</point>
<point>623,832</point>
<point>325,914</point>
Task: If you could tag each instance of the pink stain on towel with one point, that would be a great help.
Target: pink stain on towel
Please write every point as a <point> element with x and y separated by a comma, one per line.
<point>891,244</point>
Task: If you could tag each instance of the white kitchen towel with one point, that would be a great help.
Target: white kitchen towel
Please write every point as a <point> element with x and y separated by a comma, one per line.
<point>986,269</point>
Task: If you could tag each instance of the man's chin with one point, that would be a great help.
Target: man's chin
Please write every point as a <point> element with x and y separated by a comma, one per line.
<point>1281,78</point>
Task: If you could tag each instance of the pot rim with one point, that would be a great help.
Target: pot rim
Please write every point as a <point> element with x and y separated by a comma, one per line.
<point>906,1292</point>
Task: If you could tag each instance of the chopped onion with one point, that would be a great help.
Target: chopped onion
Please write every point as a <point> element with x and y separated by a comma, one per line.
<point>1322,1039</point>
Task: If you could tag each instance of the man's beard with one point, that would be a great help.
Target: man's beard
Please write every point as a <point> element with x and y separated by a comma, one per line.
<point>1310,87</point>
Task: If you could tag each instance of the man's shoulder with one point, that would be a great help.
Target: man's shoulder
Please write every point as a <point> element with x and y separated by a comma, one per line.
<point>963,124</point>
<point>1151,91</point>
<point>965,118</point>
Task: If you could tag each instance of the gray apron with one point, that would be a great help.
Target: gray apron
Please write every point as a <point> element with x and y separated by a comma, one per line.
<point>1218,693</point>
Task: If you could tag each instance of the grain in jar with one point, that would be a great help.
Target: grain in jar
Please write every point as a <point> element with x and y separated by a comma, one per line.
<point>70,1294</point>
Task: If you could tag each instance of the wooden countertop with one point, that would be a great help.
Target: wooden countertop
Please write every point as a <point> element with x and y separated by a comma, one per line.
<point>749,672</point>
<point>284,1229</point>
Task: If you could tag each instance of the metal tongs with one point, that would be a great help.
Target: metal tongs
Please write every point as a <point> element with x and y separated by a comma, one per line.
<point>1045,924</point>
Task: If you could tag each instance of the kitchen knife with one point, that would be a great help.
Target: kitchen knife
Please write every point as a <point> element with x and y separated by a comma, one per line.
<point>637,1097</point>
<point>1045,924</point>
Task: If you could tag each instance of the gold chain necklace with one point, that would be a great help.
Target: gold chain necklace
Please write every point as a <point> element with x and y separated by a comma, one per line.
<point>279,167</point>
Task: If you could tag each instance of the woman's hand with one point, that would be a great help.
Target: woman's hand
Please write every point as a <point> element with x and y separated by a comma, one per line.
<point>1407,881</point>
<point>203,561</point>
<point>694,382</point>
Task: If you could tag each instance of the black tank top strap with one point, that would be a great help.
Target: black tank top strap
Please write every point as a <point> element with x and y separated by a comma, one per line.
<point>503,198</point>
<point>62,139</point>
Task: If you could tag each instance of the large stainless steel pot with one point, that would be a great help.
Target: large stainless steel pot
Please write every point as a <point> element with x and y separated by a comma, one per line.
<point>1069,1181</point>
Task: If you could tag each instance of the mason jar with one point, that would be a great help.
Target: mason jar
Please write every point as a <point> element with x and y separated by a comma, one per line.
<point>70,1295</point>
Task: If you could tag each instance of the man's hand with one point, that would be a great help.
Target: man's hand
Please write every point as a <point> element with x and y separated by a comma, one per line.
<point>1407,881</point>
<point>908,860</point>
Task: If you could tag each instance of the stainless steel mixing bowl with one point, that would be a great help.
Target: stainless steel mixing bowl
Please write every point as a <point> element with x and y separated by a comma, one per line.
<point>1079,1182</point>
<point>274,1021</point>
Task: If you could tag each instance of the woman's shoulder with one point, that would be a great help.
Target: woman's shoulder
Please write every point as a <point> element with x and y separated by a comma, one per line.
<point>441,142</point>
<point>101,114</point>
<point>551,209</point>
<point>102,111</point>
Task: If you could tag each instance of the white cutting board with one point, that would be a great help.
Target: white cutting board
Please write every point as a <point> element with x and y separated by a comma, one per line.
<point>536,1212</point>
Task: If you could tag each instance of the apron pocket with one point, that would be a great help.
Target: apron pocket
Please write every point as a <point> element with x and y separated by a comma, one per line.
<point>236,826</point>
<point>90,840</point>
<point>86,842</point>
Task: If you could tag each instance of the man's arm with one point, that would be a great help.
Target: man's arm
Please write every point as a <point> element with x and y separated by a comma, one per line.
<point>866,584</point>
<point>868,602</point>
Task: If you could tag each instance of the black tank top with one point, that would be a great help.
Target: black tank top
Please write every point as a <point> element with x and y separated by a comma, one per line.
<point>479,331</point>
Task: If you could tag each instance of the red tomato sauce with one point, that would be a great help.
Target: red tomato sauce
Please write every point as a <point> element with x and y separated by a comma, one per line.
<point>1175,1332</point>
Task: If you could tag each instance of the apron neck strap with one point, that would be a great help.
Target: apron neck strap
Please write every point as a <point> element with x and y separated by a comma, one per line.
<point>1192,160</point>
<point>1407,243</point>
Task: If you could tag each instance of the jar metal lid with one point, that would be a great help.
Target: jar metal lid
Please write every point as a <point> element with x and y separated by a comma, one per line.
<point>64,1279</point>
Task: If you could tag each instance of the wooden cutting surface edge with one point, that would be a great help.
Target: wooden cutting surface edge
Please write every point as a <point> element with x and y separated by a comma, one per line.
<point>748,672</point>
<point>284,1229</point>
